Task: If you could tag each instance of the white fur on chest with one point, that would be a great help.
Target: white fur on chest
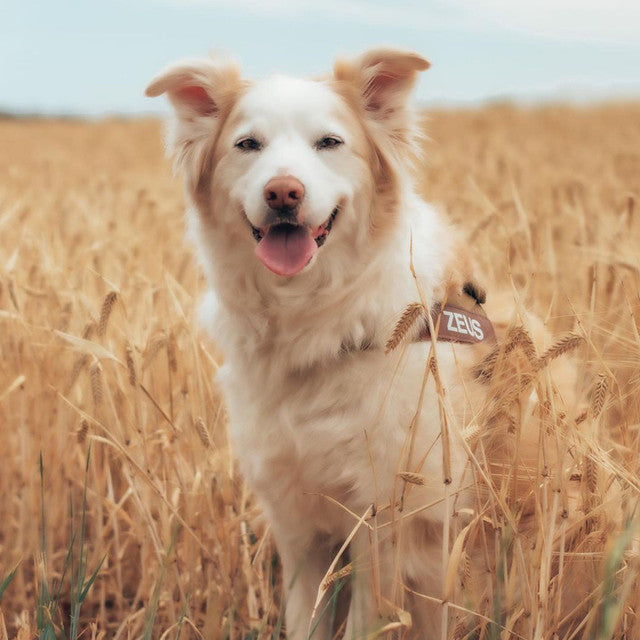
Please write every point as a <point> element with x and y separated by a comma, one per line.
<point>340,433</point>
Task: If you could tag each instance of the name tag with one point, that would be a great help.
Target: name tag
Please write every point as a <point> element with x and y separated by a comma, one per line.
<point>455,324</point>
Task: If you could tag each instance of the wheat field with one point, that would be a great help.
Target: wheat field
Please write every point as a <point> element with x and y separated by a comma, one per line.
<point>121,512</point>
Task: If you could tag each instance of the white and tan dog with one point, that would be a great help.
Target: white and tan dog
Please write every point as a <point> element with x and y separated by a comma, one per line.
<point>314,241</point>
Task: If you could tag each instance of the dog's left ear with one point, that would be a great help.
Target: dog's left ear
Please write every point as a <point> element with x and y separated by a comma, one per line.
<point>383,78</point>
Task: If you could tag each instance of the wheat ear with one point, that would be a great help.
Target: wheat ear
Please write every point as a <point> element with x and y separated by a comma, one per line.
<point>565,344</point>
<point>409,317</point>
<point>203,433</point>
<point>105,311</point>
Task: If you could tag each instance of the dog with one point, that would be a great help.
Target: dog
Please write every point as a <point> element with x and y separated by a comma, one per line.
<point>352,322</point>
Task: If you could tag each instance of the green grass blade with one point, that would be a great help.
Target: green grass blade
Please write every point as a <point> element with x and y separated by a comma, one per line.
<point>183,615</point>
<point>46,604</point>
<point>7,580</point>
<point>91,580</point>
<point>43,542</point>
<point>611,603</point>
<point>79,587</point>
<point>155,598</point>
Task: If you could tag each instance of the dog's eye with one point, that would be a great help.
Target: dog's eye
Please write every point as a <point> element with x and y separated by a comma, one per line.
<point>248,144</point>
<point>328,142</point>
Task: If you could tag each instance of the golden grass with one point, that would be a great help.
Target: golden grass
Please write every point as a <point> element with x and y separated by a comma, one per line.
<point>100,348</point>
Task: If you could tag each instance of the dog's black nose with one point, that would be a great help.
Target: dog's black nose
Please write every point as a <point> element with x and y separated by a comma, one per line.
<point>283,193</point>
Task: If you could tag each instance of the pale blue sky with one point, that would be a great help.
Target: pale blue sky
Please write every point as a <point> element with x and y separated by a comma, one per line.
<point>96,56</point>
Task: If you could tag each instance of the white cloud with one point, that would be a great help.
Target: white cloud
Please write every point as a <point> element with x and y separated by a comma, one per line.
<point>610,20</point>
<point>404,14</point>
<point>590,20</point>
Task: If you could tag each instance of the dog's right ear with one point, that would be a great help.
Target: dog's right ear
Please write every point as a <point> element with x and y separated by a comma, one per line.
<point>202,92</point>
<point>199,87</point>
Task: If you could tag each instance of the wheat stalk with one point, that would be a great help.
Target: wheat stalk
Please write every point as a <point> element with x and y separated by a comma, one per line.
<point>484,370</point>
<point>464,569</point>
<point>81,433</point>
<point>203,433</point>
<point>563,345</point>
<point>461,631</point>
<point>105,311</point>
<point>95,375</point>
<point>347,570</point>
<point>412,478</point>
<point>156,342</point>
<point>88,330</point>
<point>79,364</point>
<point>171,352</point>
<point>131,365</point>
<point>408,319</point>
<point>599,395</point>
<point>581,417</point>
<point>503,416</point>
<point>591,474</point>
<point>517,337</point>
<point>12,294</point>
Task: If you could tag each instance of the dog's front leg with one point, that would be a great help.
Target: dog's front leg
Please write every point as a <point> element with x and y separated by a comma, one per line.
<point>305,559</point>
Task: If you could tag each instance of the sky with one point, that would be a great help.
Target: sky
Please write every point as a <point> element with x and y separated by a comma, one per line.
<point>95,57</point>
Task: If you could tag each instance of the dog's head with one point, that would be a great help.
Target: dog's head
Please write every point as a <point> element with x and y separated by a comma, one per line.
<point>287,168</point>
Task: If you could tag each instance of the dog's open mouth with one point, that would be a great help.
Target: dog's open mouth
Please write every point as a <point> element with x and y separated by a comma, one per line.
<point>286,248</point>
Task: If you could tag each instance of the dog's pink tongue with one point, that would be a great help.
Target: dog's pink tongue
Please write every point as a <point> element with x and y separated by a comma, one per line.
<point>286,249</point>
